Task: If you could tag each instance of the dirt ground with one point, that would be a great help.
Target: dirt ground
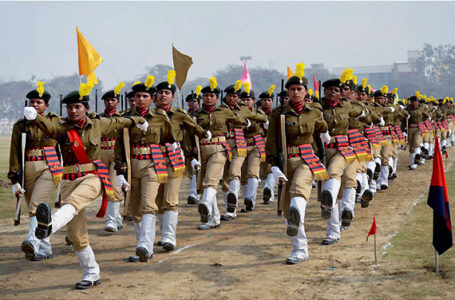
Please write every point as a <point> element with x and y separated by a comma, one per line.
<point>244,259</point>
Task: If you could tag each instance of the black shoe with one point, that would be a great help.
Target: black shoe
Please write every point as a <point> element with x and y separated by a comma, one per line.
<point>367,195</point>
<point>227,218</point>
<point>377,171</point>
<point>204,219</point>
<point>159,244</point>
<point>346,218</point>
<point>67,241</point>
<point>203,211</point>
<point>325,213</point>
<point>143,254</point>
<point>369,175</point>
<point>293,218</point>
<point>231,202</point>
<point>326,199</point>
<point>384,187</point>
<point>417,159</point>
<point>133,258</point>
<point>266,195</point>
<point>28,249</point>
<point>295,260</point>
<point>394,176</point>
<point>191,200</point>
<point>168,247</point>
<point>243,210</point>
<point>248,204</point>
<point>86,284</point>
<point>329,241</point>
<point>40,257</point>
<point>444,150</point>
<point>44,218</point>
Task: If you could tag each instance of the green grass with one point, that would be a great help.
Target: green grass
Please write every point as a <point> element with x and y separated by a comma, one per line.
<point>411,256</point>
<point>7,200</point>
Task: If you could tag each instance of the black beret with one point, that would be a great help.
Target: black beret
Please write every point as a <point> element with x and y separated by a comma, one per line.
<point>110,94</point>
<point>413,98</point>
<point>166,86</point>
<point>421,100</point>
<point>74,97</point>
<point>266,95</point>
<point>244,94</point>
<point>378,93</point>
<point>294,80</point>
<point>331,82</point>
<point>130,94</point>
<point>140,87</point>
<point>192,97</point>
<point>35,95</point>
<point>363,89</point>
<point>207,89</point>
<point>283,93</point>
<point>231,90</point>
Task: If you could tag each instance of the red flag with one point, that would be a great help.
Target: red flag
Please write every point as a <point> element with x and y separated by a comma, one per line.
<point>438,200</point>
<point>315,83</point>
<point>373,228</point>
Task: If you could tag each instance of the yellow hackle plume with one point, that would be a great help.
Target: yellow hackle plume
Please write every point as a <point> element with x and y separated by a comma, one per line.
<point>354,79</point>
<point>85,89</point>
<point>40,88</point>
<point>118,88</point>
<point>451,99</point>
<point>198,90</point>
<point>310,92</point>
<point>213,83</point>
<point>385,90</point>
<point>237,86</point>
<point>364,82</point>
<point>171,76</point>
<point>418,95</point>
<point>271,89</point>
<point>149,81</point>
<point>346,75</point>
<point>300,70</point>
<point>136,82</point>
<point>395,90</point>
<point>317,94</point>
<point>369,88</point>
<point>247,87</point>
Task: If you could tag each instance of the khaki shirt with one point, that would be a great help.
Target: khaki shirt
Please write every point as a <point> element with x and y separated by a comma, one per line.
<point>418,115</point>
<point>337,117</point>
<point>113,134</point>
<point>220,120</point>
<point>256,123</point>
<point>299,129</point>
<point>36,138</point>
<point>90,134</point>
<point>181,121</point>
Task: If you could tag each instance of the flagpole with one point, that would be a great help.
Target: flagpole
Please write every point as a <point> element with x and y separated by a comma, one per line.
<point>375,256</point>
<point>436,262</point>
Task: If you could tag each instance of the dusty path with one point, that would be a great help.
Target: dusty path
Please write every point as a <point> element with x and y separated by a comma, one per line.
<point>242,260</point>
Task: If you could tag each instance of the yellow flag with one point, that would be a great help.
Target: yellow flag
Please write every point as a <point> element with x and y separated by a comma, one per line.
<point>89,58</point>
<point>182,64</point>
<point>290,73</point>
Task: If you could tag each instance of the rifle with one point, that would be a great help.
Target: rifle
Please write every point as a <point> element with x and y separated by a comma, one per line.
<point>17,216</point>
<point>58,203</point>
<point>281,196</point>
<point>61,98</point>
<point>96,101</point>
<point>281,159</point>
<point>126,145</point>
<point>322,157</point>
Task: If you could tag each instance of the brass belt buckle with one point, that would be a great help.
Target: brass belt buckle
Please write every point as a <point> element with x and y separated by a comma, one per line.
<point>35,152</point>
<point>76,168</point>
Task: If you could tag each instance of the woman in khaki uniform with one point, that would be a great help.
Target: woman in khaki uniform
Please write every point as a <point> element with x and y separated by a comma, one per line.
<point>39,181</point>
<point>84,175</point>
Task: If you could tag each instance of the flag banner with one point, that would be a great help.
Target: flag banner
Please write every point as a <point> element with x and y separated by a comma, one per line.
<point>245,77</point>
<point>89,58</point>
<point>372,229</point>
<point>182,64</point>
<point>438,200</point>
<point>315,83</point>
<point>290,73</point>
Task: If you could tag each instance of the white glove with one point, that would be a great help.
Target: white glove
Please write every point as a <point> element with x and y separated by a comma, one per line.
<point>174,146</point>
<point>266,125</point>
<point>362,114</point>
<point>405,135</point>
<point>382,122</point>
<point>401,106</point>
<point>30,113</point>
<point>248,123</point>
<point>392,109</point>
<point>195,164</point>
<point>278,174</point>
<point>144,126</point>
<point>209,135</point>
<point>17,187</point>
<point>122,183</point>
<point>325,137</point>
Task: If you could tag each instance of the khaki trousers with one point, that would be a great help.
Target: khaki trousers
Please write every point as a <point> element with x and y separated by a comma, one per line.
<point>299,182</point>
<point>339,169</point>
<point>251,165</point>
<point>213,160</point>
<point>386,151</point>
<point>167,198</point>
<point>80,193</point>
<point>38,184</point>
<point>415,139</point>
<point>144,188</point>
<point>232,169</point>
<point>107,157</point>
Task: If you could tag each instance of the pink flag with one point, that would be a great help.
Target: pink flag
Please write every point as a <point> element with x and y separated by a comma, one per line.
<point>245,74</point>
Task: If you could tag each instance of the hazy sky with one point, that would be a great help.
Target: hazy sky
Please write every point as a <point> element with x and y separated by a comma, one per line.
<point>39,38</point>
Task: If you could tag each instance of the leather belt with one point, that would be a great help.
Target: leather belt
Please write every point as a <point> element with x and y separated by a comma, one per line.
<point>36,152</point>
<point>293,150</point>
<point>79,168</point>
<point>146,150</point>
<point>216,139</point>
<point>106,144</point>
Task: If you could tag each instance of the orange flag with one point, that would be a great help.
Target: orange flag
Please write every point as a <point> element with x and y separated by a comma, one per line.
<point>372,229</point>
<point>182,64</point>
<point>290,73</point>
<point>89,58</point>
